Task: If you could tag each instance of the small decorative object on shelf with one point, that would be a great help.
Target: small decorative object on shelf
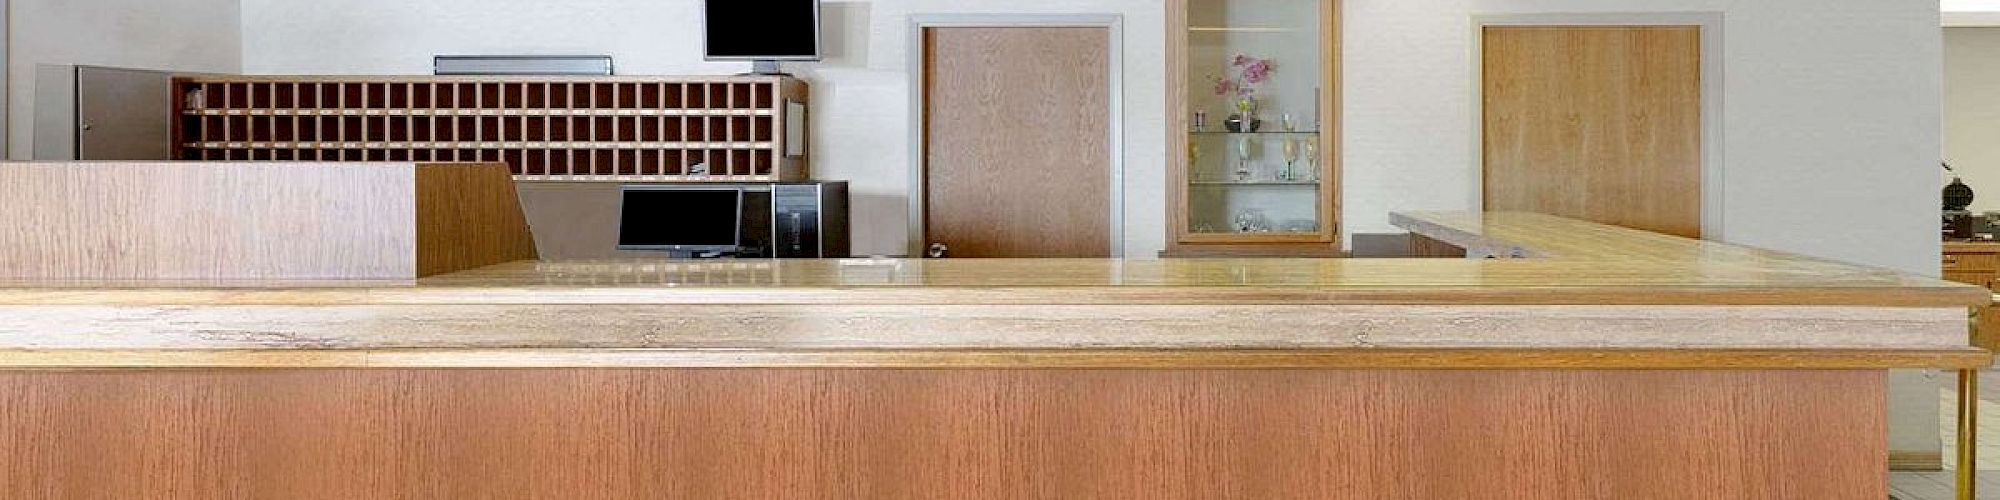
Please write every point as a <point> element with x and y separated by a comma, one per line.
<point>1242,91</point>
<point>1245,119</point>
<point>1957,195</point>
<point>1252,221</point>
<point>1201,121</point>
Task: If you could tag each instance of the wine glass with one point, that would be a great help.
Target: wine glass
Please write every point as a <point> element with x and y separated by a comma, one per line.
<point>1291,160</point>
<point>1312,158</point>
<point>1243,159</point>
<point>1194,153</point>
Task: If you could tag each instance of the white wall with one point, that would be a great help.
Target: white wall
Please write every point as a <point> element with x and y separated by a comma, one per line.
<point>1971,13</point>
<point>860,95</point>
<point>1831,113</point>
<point>1831,106</point>
<point>179,35</point>
<point>1972,110</point>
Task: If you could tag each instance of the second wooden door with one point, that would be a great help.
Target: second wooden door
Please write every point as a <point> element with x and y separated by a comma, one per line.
<point>1601,123</point>
<point>1017,155</point>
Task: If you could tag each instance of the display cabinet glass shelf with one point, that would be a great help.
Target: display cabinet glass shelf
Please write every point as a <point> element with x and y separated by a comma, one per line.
<point>1254,128</point>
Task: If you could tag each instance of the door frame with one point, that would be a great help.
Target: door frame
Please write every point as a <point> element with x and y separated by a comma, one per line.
<point>1711,25</point>
<point>1114,24</point>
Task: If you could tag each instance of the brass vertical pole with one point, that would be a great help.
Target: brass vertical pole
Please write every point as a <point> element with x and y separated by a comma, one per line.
<point>1968,433</point>
<point>1968,411</point>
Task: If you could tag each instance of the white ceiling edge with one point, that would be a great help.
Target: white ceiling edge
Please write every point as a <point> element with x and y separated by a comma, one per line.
<point>1970,5</point>
<point>1971,19</point>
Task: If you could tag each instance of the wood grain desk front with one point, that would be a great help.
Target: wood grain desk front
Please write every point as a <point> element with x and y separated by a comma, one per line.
<point>1615,364</point>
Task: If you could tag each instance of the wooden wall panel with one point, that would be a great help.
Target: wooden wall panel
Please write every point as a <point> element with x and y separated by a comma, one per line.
<point>1017,159</point>
<point>1424,246</point>
<point>1596,123</point>
<point>200,221</point>
<point>468,217</point>
<point>589,434</point>
<point>255,221</point>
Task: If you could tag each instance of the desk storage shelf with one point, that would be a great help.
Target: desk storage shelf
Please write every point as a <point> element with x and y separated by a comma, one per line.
<point>610,129</point>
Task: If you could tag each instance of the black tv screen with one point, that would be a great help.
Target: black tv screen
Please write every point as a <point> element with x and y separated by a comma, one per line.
<point>691,219</point>
<point>779,30</point>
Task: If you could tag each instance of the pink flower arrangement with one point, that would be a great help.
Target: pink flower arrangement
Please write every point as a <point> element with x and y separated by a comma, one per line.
<point>1251,71</point>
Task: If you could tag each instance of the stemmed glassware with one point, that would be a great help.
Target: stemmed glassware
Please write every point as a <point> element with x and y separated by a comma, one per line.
<point>1291,160</point>
<point>1243,159</point>
<point>1312,159</point>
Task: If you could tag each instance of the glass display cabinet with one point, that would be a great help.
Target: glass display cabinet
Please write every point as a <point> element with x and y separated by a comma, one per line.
<point>1253,100</point>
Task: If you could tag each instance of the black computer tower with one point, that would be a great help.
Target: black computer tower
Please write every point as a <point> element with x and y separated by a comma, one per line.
<point>809,220</point>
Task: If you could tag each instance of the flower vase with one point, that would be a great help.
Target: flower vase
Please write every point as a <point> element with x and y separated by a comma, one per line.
<point>1245,119</point>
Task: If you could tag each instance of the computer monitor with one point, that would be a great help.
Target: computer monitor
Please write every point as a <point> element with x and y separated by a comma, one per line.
<point>763,31</point>
<point>694,220</point>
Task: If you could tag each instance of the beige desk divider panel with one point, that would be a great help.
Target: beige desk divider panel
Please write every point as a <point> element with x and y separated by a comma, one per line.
<point>241,221</point>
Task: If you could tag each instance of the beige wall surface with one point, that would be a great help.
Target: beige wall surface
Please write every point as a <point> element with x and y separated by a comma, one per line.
<point>1972,110</point>
<point>1831,106</point>
<point>861,93</point>
<point>176,35</point>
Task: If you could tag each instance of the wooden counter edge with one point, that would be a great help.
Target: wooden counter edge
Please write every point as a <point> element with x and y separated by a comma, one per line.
<point>1398,359</point>
<point>1916,296</point>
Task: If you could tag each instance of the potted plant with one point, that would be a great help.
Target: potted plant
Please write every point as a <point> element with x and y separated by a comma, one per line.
<point>1241,90</point>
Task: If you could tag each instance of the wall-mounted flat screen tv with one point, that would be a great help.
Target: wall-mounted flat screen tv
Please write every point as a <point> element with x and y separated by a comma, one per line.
<point>762,30</point>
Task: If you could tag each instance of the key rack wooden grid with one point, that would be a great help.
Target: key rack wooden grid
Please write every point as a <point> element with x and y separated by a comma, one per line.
<point>610,129</point>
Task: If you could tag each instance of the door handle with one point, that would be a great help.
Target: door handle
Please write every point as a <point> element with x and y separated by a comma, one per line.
<point>937,251</point>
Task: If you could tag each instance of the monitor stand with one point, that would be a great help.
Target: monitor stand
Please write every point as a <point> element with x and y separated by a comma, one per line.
<point>702,254</point>
<point>764,67</point>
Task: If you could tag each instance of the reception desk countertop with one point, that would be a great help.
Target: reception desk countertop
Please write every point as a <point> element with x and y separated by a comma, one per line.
<point>1583,295</point>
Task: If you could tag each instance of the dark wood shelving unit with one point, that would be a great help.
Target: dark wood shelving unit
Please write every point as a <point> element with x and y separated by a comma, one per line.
<point>599,129</point>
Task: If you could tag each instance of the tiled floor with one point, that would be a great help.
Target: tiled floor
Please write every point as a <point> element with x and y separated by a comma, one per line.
<point>1934,486</point>
<point>1938,485</point>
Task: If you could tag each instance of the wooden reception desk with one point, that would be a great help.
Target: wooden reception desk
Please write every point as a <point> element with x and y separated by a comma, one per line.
<point>1614,364</point>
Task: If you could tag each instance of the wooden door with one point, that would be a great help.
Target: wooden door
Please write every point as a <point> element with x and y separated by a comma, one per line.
<point>1017,157</point>
<point>1595,123</point>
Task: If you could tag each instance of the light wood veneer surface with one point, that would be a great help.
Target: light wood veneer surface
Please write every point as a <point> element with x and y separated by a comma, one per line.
<point>1600,123</point>
<point>972,434</point>
<point>1598,296</point>
<point>1016,162</point>
<point>1576,263</point>
<point>262,220</point>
